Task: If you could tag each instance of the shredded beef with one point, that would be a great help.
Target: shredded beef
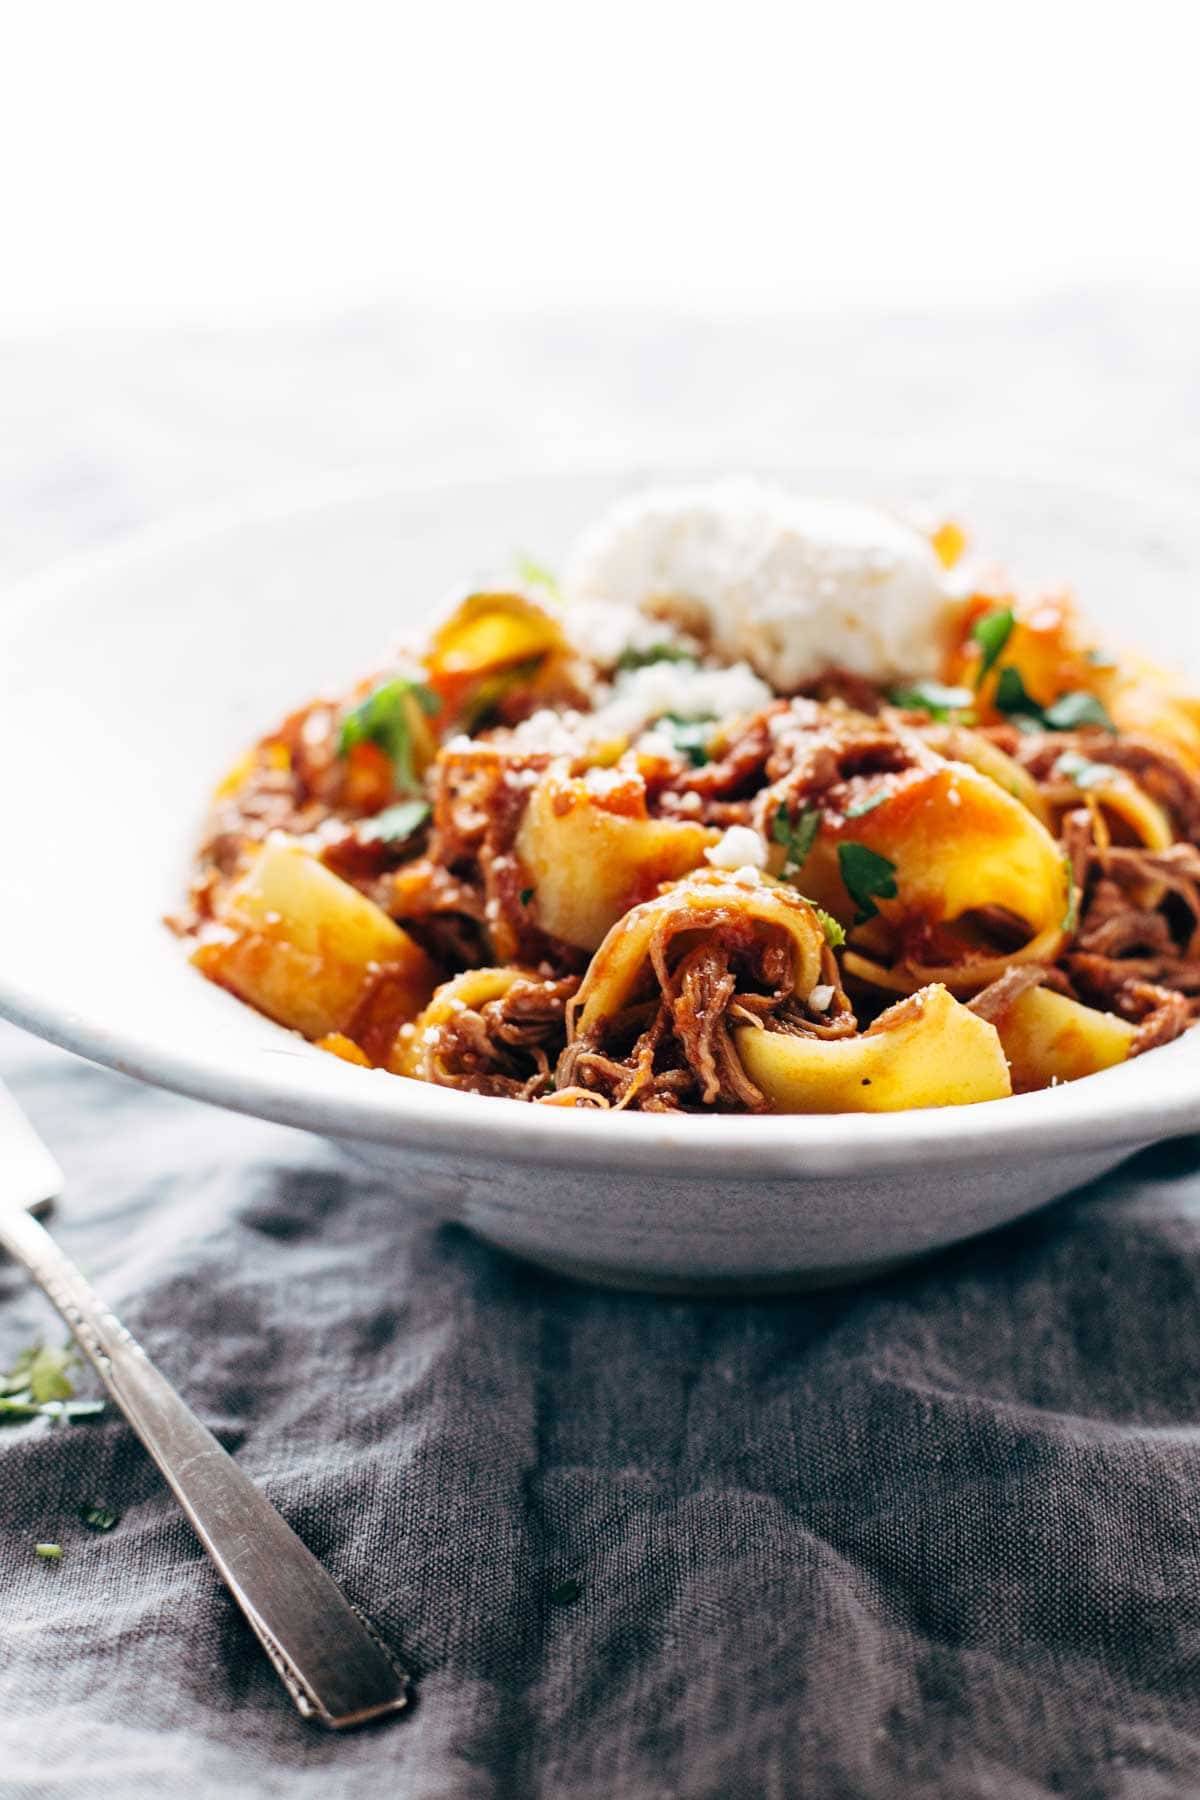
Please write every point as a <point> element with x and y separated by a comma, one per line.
<point>1153,766</point>
<point>507,1046</point>
<point>996,999</point>
<point>470,871</point>
<point>1102,980</point>
<point>1079,843</point>
<point>1167,1015</point>
<point>677,1049</point>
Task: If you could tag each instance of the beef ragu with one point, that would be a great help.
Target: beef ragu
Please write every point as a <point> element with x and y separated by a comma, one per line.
<point>649,878</point>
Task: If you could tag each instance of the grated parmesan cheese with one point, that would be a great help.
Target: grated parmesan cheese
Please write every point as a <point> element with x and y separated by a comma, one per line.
<point>644,695</point>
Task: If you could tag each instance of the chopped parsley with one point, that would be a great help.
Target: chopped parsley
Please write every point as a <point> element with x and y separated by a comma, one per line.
<point>99,1518</point>
<point>40,1386</point>
<point>383,718</point>
<point>536,575</point>
<point>835,937</point>
<point>18,1406</point>
<point>43,1373</point>
<point>867,876</point>
<point>991,633</point>
<point>395,823</point>
<point>1071,766</point>
<point>526,896</point>
<point>48,1552</point>
<point>691,737</point>
<point>1013,697</point>
<point>1071,711</point>
<point>940,702</point>
<point>634,658</point>
<point>481,710</point>
<point>797,839</point>
<point>868,805</point>
<point>1067,713</point>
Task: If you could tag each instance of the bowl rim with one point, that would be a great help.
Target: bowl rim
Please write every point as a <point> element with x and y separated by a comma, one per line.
<point>336,1100</point>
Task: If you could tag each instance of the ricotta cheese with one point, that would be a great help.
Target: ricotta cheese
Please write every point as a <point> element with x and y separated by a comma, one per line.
<point>790,585</point>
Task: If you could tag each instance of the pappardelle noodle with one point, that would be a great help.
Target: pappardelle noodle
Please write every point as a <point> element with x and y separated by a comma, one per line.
<point>628,868</point>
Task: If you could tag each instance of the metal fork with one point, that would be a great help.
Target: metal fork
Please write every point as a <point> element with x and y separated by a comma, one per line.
<point>331,1664</point>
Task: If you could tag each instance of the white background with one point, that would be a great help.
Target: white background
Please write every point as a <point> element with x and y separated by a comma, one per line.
<point>233,161</point>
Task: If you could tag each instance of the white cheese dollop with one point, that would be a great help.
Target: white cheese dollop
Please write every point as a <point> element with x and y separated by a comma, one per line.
<point>790,585</point>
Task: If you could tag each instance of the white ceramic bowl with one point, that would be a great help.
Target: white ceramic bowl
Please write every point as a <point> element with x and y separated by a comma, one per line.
<point>129,679</point>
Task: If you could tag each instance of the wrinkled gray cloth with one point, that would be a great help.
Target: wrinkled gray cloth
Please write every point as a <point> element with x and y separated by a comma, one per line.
<point>939,1536</point>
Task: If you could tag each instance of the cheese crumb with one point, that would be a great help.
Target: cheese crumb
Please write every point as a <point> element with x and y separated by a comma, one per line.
<point>644,695</point>
<point>738,848</point>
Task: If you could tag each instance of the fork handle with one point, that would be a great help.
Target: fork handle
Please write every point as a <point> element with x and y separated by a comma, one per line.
<point>331,1664</point>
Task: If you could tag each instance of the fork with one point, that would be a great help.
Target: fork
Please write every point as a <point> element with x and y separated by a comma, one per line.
<point>333,1666</point>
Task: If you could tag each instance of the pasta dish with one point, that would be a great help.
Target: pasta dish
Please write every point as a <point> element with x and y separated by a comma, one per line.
<point>768,805</point>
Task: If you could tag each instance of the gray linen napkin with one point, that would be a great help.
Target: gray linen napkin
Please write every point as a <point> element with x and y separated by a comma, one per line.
<point>939,1536</point>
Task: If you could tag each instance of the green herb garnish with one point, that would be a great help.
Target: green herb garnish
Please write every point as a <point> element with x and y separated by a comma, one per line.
<point>493,688</point>
<point>526,896</point>
<point>1071,766</point>
<point>1013,697</point>
<point>1071,711</point>
<point>940,702</point>
<point>15,1406</point>
<point>991,633</point>
<point>691,737</point>
<point>1067,713</point>
<point>48,1552</point>
<point>395,823</point>
<point>39,1386</point>
<point>537,575</point>
<point>835,937</point>
<point>99,1518</point>
<point>383,718</point>
<point>633,658</point>
<point>868,805</point>
<point>866,876</point>
<point>42,1374</point>
<point>797,839</point>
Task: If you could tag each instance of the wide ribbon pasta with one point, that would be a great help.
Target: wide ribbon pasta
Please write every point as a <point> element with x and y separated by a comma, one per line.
<point>1049,1038</point>
<point>964,854</point>
<point>491,645</point>
<point>927,1050</point>
<point>675,972</point>
<point>311,952</point>
<point>641,946</point>
<point>590,851</point>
